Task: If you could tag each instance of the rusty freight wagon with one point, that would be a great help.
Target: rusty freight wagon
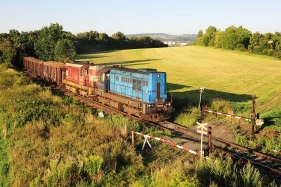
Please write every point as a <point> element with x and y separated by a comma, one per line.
<point>34,66</point>
<point>54,72</point>
<point>50,71</point>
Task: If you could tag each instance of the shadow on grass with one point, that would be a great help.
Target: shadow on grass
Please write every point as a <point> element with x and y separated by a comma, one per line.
<point>86,56</point>
<point>214,94</point>
<point>270,122</point>
<point>172,86</point>
<point>130,62</point>
<point>189,99</point>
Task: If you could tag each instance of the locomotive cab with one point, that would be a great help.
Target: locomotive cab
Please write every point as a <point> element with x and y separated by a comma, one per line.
<point>104,79</point>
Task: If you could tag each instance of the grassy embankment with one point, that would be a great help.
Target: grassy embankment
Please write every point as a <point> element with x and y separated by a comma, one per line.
<point>228,75</point>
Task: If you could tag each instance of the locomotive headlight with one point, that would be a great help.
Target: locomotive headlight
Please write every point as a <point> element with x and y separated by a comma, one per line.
<point>151,105</point>
<point>168,104</point>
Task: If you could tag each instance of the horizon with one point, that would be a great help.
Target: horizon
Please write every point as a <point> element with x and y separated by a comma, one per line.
<point>182,17</point>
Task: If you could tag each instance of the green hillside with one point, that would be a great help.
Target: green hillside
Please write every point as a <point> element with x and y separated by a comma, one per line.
<point>230,75</point>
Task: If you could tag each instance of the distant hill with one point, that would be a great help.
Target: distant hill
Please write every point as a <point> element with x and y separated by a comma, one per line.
<point>167,37</point>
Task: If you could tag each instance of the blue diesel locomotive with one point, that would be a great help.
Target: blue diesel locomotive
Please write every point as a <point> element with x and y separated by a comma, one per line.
<point>140,92</point>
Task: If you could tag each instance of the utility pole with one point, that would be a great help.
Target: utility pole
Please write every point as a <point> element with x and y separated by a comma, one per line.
<point>210,139</point>
<point>201,91</point>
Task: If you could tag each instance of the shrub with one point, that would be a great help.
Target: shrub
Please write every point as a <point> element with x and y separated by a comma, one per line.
<point>250,177</point>
<point>173,175</point>
<point>218,170</point>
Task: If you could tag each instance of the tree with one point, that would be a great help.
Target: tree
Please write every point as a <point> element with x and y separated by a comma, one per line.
<point>64,50</point>
<point>207,39</point>
<point>220,39</point>
<point>47,40</point>
<point>120,40</point>
<point>200,34</point>
<point>7,53</point>
<point>233,38</point>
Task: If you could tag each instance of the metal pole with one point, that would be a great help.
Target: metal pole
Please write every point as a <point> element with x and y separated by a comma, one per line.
<point>199,100</point>
<point>210,139</point>
<point>201,91</point>
<point>201,140</point>
<point>253,116</point>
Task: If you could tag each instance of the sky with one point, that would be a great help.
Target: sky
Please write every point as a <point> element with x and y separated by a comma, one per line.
<point>144,16</point>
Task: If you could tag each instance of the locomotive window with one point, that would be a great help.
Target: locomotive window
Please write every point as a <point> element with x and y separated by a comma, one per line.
<point>145,83</point>
<point>117,78</point>
<point>107,76</point>
<point>136,84</point>
<point>84,72</point>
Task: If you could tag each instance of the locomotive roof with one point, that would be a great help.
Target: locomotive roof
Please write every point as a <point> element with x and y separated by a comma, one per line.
<point>140,71</point>
<point>82,65</point>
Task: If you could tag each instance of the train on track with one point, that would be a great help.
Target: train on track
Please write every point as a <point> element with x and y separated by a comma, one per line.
<point>139,92</point>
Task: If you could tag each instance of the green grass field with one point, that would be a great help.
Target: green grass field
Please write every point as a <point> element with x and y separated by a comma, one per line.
<point>230,75</point>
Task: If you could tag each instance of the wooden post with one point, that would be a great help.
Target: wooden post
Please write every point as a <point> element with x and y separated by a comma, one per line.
<point>253,117</point>
<point>210,139</point>
<point>133,140</point>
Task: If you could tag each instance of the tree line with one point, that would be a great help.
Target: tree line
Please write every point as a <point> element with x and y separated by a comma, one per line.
<point>52,43</point>
<point>239,38</point>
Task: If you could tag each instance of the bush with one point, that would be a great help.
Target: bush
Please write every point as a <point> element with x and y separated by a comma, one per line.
<point>241,47</point>
<point>173,175</point>
<point>221,105</point>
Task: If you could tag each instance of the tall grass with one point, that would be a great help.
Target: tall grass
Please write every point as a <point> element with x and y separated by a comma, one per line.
<point>222,172</point>
<point>188,117</point>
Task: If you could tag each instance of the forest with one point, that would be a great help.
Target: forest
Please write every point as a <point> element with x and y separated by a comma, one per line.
<point>239,38</point>
<point>52,43</point>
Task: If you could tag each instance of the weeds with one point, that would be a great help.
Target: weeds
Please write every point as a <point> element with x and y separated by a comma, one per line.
<point>188,117</point>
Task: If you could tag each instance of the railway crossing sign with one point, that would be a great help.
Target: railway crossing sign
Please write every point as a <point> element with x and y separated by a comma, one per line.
<point>202,132</point>
<point>202,126</point>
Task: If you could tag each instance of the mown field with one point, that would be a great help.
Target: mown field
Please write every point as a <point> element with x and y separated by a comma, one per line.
<point>229,75</point>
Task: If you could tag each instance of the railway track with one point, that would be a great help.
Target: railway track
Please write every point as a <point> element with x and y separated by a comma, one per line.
<point>262,160</point>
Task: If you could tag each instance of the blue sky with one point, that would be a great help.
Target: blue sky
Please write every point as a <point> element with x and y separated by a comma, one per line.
<point>143,16</point>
